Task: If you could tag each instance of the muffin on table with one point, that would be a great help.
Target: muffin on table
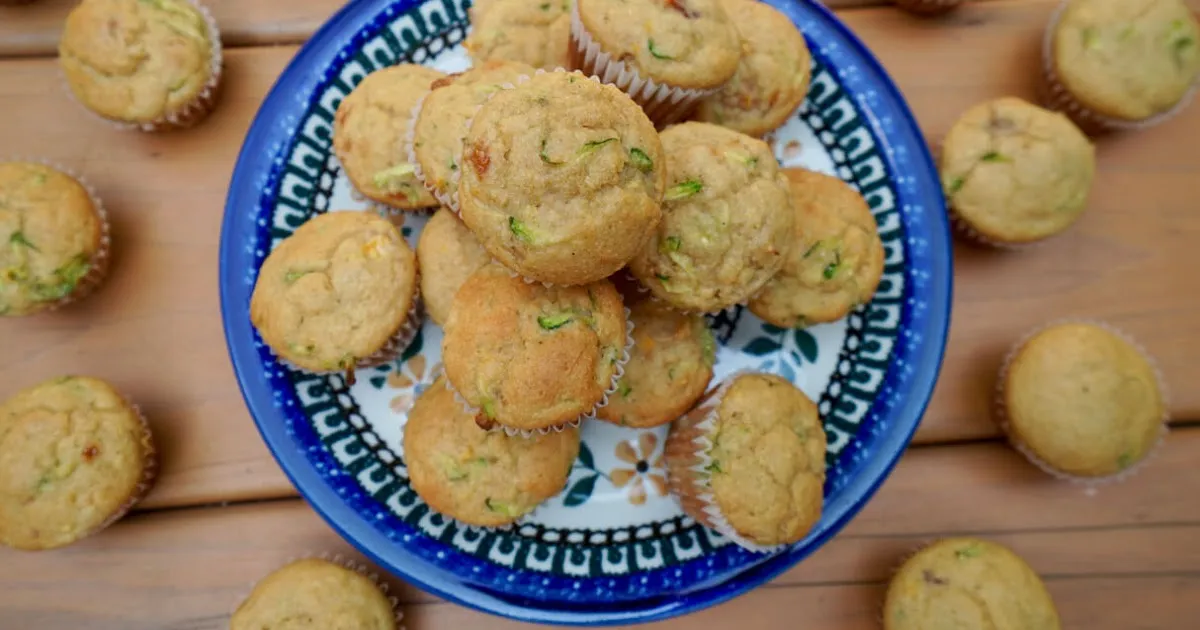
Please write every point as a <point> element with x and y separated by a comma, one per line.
<point>447,255</point>
<point>749,461</point>
<point>151,64</point>
<point>339,293</point>
<point>563,178</point>
<point>1015,173</point>
<point>1082,402</point>
<point>727,220</point>
<point>1121,64</point>
<point>315,593</point>
<point>75,456</point>
<point>55,239</point>
<point>665,55</point>
<point>967,583</point>
<point>836,258</point>
<point>530,357</point>
<point>444,117</point>
<point>535,32</point>
<point>669,367</point>
<point>483,478</point>
<point>772,77</point>
<point>370,133</point>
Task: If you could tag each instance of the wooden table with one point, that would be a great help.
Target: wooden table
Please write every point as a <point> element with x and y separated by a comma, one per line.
<point>223,514</point>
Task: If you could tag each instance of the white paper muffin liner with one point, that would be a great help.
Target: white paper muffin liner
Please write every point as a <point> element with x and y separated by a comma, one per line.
<point>149,473</point>
<point>342,561</point>
<point>663,104</point>
<point>1091,484</point>
<point>614,384</point>
<point>687,458</point>
<point>99,262</point>
<point>191,113</point>
<point>928,7</point>
<point>1056,96</point>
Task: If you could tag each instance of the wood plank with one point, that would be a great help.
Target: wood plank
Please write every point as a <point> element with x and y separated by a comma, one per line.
<point>188,568</point>
<point>166,194</point>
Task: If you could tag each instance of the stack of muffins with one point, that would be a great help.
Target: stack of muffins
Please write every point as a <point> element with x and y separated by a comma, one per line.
<point>581,233</point>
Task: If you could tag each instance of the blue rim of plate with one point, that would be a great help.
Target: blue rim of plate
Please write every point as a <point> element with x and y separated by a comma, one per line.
<point>915,366</point>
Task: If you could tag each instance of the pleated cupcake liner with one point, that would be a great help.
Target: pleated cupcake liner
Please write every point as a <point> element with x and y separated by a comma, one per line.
<point>192,112</point>
<point>445,197</point>
<point>98,264</point>
<point>342,561</point>
<point>664,104</point>
<point>1056,96</point>
<point>688,460</point>
<point>928,7</point>
<point>150,467</point>
<point>1090,484</point>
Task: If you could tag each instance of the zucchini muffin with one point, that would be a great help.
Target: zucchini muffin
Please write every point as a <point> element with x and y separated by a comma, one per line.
<point>665,55</point>
<point>339,293</point>
<point>772,77</point>
<point>1118,64</point>
<point>669,367</point>
<point>442,120</point>
<point>483,478</point>
<point>967,583</point>
<point>836,258</point>
<point>370,135</point>
<point>1015,173</point>
<point>749,461</point>
<point>74,457</point>
<point>535,32</point>
<point>315,593</point>
<point>54,244</point>
<point>447,255</point>
<point>530,357</point>
<point>153,64</point>
<point>563,180</point>
<point>727,220</point>
<point>1082,402</point>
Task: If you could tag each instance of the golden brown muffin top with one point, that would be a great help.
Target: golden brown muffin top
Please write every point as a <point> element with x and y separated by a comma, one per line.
<point>73,453</point>
<point>484,478</point>
<point>335,291</point>
<point>50,231</point>
<point>768,460</point>
<point>563,178</point>
<point>136,61</point>
<point>313,594</point>
<point>531,357</point>
<point>967,583</point>
<point>536,32</point>
<point>1084,400</point>
<point>447,255</point>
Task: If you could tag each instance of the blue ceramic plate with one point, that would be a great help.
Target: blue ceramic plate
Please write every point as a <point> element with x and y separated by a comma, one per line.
<point>612,548</point>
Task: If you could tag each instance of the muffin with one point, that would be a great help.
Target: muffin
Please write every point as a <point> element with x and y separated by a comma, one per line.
<point>967,583</point>
<point>446,254</point>
<point>55,236</point>
<point>928,7</point>
<point>1121,64</point>
<point>1082,401</point>
<point>749,461</point>
<point>669,367</point>
<point>564,178</point>
<point>370,135</point>
<point>483,478</point>
<point>74,457</point>
<point>150,64</point>
<point>315,593</point>
<point>665,55</point>
<point>836,258</point>
<point>442,120</point>
<point>535,32</point>
<point>1015,173</point>
<point>772,77</point>
<point>727,220</point>
<point>530,357</point>
<point>339,293</point>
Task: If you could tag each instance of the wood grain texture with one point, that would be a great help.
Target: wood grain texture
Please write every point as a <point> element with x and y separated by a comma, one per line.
<point>186,569</point>
<point>1126,262</point>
